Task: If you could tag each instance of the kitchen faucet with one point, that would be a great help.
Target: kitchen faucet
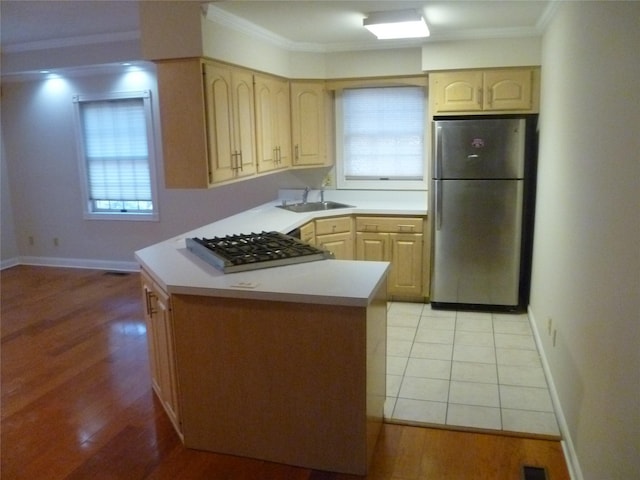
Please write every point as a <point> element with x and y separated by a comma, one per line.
<point>305,194</point>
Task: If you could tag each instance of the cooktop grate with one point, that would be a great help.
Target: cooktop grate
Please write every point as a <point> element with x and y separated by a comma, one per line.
<point>242,252</point>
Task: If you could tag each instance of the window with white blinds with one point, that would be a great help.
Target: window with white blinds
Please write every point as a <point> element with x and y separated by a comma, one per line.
<point>382,133</point>
<point>116,145</point>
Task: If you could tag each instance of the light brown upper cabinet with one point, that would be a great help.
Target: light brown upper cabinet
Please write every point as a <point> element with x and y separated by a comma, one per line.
<point>229,106</point>
<point>507,90</point>
<point>273,123</point>
<point>308,123</point>
<point>208,122</point>
<point>184,125</point>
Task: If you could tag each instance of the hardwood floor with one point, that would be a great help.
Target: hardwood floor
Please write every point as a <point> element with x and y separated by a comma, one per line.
<point>77,401</point>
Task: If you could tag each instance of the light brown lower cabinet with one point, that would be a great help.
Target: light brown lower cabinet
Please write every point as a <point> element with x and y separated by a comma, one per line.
<point>308,233</point>
<point>397,240</point>
<point>335,234</point>
<point>157,309</point>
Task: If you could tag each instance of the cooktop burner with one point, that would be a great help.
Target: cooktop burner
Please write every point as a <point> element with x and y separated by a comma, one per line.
<point>237,253</point>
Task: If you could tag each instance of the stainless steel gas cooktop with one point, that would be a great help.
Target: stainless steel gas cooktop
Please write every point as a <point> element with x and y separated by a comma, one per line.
<point>238,253</point>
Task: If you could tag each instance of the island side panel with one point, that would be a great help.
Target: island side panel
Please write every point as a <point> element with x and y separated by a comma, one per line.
<point>376,367</point>
<point>279,381</point>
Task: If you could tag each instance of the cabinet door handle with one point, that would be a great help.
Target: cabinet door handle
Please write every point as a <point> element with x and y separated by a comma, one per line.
<point>149,295</point>
<point>234,161</point>
<point>297,153</point>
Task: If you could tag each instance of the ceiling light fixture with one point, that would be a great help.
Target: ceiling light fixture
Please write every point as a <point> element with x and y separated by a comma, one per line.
<point>396,24</point>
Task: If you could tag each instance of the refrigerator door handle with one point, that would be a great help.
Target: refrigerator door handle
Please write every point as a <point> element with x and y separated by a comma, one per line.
<point>437,164</point>
<point>438,203</point>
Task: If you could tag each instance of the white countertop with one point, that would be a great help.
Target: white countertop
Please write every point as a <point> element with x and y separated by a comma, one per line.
<point>337,282</point>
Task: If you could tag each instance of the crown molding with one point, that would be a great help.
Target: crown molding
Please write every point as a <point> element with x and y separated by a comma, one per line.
<point>547,15</point>
<point>72,41</point>
<point>79,71</point>
<point>221,17</point>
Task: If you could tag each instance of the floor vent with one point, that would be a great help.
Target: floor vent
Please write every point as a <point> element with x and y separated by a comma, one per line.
<point>533,473</point>
<point>117,274</point>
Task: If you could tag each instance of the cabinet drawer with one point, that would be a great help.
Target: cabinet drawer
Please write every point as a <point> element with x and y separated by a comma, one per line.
<point>308,233</point>
<point>333,225</point>
<point>389,224</point>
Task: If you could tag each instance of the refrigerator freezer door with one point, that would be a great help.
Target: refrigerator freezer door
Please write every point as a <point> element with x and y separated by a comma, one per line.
<point>476,243</point>
<point>487,148</point>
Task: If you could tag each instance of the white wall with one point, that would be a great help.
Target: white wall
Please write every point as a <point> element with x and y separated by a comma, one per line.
<point>489,52</point>
<point>9,248</point>
<point>42,170</point>
<point>586,268</point>
<point>247,49</point>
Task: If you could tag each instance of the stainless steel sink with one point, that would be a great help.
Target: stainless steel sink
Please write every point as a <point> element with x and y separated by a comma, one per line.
<point>313,206</point>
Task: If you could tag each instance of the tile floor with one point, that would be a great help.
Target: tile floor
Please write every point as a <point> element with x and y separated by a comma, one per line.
<point>465,369</point>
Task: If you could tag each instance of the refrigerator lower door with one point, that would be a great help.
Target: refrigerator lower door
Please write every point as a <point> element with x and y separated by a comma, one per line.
<point>477,242</point>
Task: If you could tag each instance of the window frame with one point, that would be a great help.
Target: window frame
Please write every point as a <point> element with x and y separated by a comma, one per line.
<point>88,212</point>
<point>342,183</point>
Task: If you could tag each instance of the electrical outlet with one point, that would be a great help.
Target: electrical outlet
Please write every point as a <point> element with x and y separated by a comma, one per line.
<point>554,337</point>
<point>31,240</point>
<point>549,323</point>
<point>328,180</point>
<point>56,242</point>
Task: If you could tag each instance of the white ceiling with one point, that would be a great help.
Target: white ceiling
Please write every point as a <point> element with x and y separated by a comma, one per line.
<point>302,24</point>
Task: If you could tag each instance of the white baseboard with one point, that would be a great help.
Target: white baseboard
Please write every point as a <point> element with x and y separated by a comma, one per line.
<point>73,263</point>
<point>567,443</point>
<point>11,262</point>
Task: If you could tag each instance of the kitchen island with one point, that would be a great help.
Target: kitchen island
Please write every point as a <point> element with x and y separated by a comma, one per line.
<point>286,364</point>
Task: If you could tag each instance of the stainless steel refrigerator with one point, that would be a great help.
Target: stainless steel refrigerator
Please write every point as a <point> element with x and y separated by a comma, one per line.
<point>483,184</point>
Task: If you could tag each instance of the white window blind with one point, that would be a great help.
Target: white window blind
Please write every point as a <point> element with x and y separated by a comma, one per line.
<point>116,151</point>
<point>383,133</point>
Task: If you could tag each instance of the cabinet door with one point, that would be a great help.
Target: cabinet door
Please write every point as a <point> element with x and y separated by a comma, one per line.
<point>405,275</point>
<point>340,244</point>
<point>150,309</point>
<point>372,246</point>
<point>282,122</point>
<point>230,122</point>
<point>243,122</point>
<point>222,158</point>
<point>458,91</point>
<point>266,147</point>
<point>308,233</point>
<point>308,123</point>
<point>161,348</point>
<point>273,123</point>
<point>166,358</point>
<point>508,89</point>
